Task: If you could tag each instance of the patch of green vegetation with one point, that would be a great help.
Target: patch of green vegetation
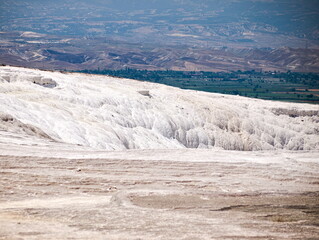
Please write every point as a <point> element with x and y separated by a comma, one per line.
<point>288,86</point>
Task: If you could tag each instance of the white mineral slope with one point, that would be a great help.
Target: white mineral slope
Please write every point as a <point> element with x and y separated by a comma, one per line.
<point>108,113</point>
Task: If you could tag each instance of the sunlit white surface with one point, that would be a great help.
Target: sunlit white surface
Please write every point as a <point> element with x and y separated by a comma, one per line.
<point>106,113</point>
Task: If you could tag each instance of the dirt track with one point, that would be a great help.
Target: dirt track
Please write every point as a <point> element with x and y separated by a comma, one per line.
<point>48,198</point>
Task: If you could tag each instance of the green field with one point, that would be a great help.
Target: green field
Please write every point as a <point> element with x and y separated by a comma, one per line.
<point>288,86</point>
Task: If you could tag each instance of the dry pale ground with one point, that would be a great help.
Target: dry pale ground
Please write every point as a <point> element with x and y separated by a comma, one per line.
<point>157,194</point>
<point>56,184</point>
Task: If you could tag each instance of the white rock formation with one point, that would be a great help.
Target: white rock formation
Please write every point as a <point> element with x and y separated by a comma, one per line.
<point>113,114</point>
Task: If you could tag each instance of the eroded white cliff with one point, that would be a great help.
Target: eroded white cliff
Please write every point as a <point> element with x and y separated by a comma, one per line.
<point>113,114</point>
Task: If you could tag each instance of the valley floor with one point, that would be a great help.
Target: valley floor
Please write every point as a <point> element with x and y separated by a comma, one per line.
<point>156,194</point>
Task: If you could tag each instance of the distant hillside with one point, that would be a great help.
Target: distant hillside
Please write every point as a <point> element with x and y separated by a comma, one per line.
<point>177,35</point>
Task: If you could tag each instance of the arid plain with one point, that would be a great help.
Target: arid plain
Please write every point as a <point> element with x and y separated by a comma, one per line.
<point>146,194</point>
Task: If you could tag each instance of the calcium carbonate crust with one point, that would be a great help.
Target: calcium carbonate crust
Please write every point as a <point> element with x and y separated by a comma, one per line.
<point>110,113</point>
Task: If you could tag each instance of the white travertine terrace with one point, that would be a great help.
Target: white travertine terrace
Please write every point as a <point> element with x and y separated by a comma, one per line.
<point>110,113</point>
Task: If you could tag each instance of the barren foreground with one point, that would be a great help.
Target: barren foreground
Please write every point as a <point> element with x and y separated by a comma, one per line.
<point>95,157</point>
<point>164,194</point>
